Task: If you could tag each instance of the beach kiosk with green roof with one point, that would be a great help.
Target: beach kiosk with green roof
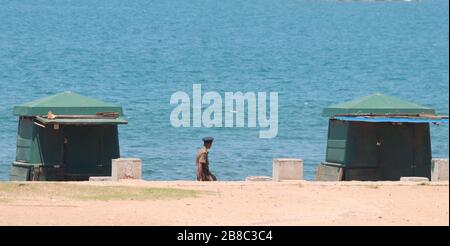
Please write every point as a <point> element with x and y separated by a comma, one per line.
<point>378,137</point>
<point>66,137</point>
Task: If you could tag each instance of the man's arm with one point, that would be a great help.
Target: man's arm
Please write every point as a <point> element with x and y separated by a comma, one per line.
<point>200,170</point>
<point>201,162</point>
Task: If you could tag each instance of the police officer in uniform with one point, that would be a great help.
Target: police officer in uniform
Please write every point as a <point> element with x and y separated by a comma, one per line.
<point>203,173</point>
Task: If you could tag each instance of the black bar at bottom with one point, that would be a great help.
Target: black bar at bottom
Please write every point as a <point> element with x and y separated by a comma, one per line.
<point>227,234</point>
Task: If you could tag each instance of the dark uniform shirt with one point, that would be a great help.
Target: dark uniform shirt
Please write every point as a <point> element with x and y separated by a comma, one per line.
<point>202,158</point>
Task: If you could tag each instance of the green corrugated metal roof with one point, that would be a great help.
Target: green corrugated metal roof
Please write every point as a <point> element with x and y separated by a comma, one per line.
<point>376,104</point>
<point>92,121</point>
<point>66,103</point>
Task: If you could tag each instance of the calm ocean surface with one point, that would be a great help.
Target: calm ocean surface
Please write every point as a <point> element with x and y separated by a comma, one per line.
<point>137,53</point>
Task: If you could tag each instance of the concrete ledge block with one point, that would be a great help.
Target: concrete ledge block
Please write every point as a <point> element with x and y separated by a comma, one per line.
<point>126,168</point>
<point>439,169</point>
<point>100,178</point>
<point>414,179</point>
<point>287,169</point>
<point>329,172</point>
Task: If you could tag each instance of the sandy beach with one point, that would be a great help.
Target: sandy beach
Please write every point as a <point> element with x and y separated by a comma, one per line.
<point>224,203</point>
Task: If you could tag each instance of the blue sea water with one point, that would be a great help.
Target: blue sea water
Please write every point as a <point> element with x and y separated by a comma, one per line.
<point>137,53</point>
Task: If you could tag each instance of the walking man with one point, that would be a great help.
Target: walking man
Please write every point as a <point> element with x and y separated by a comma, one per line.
<point>203,173</point>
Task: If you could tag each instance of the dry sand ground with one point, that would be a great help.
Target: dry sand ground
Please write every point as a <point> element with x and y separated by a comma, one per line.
<point>226,203</point>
